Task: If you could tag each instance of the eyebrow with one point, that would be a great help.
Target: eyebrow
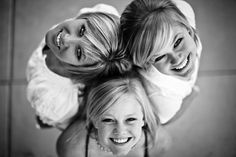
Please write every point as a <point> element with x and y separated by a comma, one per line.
<point>107,115</point>
<point>110,115</point>
<point>176,36</point>
<point>129,115</point>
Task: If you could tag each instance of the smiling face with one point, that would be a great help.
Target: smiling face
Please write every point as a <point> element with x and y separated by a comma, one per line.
<point>120,127</point>
<point>178,56</point>
<point>66,41</point>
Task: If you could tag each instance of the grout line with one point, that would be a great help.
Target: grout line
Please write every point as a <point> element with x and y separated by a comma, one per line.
<point>11,49</point>
<point>13,82</point>
<point>211,73</point>
<point>202,73</point>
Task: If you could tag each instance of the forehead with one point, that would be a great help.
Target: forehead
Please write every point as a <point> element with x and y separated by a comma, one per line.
<point>124,106</point>
<point>178,28</point>
<point>73,21</point>
<point>174,31</point>
<point>168,37</point>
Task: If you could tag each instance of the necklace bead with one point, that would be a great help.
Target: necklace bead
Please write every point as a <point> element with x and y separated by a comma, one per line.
<point>102,148</point>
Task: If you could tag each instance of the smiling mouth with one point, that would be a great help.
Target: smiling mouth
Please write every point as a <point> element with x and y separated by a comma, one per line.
<point>58,39</point>
<point>183,65</point>
<point>120,141</point>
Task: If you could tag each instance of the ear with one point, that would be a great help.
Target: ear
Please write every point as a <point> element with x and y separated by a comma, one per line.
<point>95,124</point>
<point>143,122</point>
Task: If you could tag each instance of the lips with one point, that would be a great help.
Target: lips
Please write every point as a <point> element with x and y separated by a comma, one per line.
<point>183,64</point>
<point>59,39</point>
<point>120,141</point>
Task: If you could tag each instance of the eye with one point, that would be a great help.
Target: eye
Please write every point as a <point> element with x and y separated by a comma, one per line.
<point>108,120</point>
<point>131,119</point>
<point>79,53</point>
<point>82,30</point>
<point>159,58</point>
<point>178,41</point>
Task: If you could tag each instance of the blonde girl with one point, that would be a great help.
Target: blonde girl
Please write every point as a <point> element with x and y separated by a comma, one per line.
<point>73,52</point>
<point>162,41</point>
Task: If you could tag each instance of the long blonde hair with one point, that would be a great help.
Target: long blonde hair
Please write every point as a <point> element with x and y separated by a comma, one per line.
<point>101,44</point>
<point>103,95</point>
<point>147,25</point>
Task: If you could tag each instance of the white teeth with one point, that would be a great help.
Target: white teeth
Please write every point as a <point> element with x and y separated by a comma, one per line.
<point>183,64</point>
<point>58,39</point>
<point>120,140</point>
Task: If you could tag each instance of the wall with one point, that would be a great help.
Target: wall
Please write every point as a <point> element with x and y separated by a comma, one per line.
<point>206,129</point>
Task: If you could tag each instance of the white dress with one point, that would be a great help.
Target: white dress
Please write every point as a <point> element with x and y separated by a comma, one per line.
<point>167,92</point>
<point>53,97</point>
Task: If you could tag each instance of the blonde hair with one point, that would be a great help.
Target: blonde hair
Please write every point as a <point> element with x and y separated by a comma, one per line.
<point>105,94</point>
<point>147,26</point>
<point>101,45</point>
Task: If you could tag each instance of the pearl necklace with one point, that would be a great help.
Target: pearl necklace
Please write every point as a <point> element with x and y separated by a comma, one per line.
<point>102,148</point>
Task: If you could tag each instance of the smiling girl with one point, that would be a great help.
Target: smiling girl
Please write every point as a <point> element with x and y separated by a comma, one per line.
<point>74,52</point>
<point>162,42</point>
<point>120,122</point>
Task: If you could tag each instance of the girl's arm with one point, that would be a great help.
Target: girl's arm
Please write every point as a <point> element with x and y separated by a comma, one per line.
<point>71,143</point>
<point>53,97</point>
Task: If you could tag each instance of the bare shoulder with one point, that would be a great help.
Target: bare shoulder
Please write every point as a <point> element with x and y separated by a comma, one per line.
<point>163,143</point>
<point>71,143</point>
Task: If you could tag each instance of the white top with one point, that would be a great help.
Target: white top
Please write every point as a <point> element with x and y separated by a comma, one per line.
<point>167,92</point>
<point>54,98</point>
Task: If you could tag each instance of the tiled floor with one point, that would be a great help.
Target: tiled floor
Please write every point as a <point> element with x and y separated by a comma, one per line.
<point>208,127</point>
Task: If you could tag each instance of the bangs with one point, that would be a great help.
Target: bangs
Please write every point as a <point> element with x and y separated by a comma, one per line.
<point>164,32</point>
<point>104,96</point>
<point>166,20</point>
<point>91,45</point>
<point>102,35</point>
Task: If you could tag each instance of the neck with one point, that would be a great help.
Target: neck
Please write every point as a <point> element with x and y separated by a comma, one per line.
<point>141,142</point>
<point>104,149</point>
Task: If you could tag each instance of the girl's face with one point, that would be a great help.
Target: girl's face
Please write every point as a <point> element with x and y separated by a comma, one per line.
<point>120,127</point>
<point>178,57</point>
<point>65,41</point>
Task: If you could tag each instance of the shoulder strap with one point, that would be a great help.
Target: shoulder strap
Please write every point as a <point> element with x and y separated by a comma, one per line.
<point>146,154</point>
<point>87,143</point>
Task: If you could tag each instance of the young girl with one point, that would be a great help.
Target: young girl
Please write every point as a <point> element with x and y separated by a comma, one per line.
<point>76,50</point>
<point>120,122</point>
<point>162,41</point>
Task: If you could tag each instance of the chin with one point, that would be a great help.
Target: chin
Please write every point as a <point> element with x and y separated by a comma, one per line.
<point>120,153</point>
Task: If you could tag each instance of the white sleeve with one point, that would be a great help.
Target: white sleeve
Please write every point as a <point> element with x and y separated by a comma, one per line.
<point>187,10</point>
<point>54,98</point>
<point>165,102</point>
<point>166,107</point>
<point>101,8</point>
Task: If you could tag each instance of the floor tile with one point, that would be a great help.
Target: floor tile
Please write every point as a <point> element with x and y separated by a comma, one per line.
<point>26,138</point>
<point>207,128</point>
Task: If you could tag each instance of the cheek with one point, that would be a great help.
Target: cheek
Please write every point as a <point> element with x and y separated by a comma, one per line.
<point>161,66</point>
<point>69,57</point>
<point>137,130</point>
<point>104,132</point>
<point>64,56</point>
<point>190,45</point>
<point>90,60</point>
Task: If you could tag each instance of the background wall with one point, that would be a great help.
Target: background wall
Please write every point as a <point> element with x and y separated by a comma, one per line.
<point>207,129</point>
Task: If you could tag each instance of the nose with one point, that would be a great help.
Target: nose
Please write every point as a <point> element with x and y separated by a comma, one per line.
<point>176,57</point>
<point>69,39</point>
<point>119,129</point>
